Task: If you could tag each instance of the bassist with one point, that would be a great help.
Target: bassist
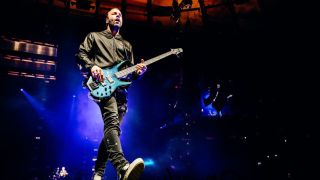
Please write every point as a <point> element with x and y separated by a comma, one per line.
<point>101,50</point>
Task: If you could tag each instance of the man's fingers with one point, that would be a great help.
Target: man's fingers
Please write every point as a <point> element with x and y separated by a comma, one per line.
<point>94,72</point>
<point>101,77</point>
<point>141,66</point>
<point>97,73</point>
<point>144,67</point>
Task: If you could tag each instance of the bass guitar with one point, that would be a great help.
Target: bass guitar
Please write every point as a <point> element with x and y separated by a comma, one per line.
<point>113,76</point>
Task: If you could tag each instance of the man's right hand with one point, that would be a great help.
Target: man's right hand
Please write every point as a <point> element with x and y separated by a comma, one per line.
<point>97,73</point>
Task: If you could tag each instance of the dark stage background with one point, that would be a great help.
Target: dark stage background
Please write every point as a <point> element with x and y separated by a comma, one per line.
<point>266,131</point>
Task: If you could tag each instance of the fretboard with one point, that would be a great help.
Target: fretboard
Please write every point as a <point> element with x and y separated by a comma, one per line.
<point>131,69</point>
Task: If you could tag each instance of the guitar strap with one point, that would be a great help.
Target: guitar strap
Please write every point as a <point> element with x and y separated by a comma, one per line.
<point>125,46</point>
<point>125,50</point>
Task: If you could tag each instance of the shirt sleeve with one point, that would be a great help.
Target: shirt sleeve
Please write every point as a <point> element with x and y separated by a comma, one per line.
<point>84,55</point>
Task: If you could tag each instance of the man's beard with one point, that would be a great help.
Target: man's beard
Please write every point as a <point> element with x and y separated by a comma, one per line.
<point>118,24</point>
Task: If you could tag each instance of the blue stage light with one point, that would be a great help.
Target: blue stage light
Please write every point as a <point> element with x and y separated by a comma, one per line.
<point>149,162</point>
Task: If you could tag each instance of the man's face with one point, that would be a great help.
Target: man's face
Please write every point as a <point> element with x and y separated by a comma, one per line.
<point>114,17</point>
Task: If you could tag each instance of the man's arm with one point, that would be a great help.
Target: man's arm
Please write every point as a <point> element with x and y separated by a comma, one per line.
<point>85,54</point>
<point>84,59</point>
<point>141,67</point>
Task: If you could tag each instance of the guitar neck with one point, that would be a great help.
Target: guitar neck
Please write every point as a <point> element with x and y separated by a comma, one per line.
<point>131,69</point>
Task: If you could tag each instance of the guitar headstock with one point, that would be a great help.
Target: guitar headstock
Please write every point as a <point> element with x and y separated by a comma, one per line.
<point>177,51</point>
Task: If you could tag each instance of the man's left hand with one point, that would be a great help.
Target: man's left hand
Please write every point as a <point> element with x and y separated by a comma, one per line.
<point>141,68</point>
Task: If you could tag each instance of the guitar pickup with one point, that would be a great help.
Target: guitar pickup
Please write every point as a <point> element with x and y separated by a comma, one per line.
<point>93,85</point>
<point>110,79</point>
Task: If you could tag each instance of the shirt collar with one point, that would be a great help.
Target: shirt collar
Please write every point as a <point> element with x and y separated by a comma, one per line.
<point>109,35</point>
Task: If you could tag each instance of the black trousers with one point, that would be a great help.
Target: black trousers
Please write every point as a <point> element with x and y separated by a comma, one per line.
<point>112,111</point>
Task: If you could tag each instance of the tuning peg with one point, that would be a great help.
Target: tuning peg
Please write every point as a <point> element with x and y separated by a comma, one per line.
<point>180,55</point>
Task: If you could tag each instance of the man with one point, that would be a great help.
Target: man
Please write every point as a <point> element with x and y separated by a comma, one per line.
<point>102,50</point>
<point>220,94</point>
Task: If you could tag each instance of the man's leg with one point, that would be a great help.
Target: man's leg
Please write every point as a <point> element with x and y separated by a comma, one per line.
<point>133,170</point>
<point>102,158</point>
<point>111,117</point>
<point>111,138</point>
<point>103,155</point>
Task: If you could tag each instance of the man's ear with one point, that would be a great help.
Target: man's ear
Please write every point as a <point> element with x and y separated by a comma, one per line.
<point>107,21</point>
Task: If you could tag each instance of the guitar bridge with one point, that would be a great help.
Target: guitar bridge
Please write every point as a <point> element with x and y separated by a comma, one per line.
<point>93,85</point>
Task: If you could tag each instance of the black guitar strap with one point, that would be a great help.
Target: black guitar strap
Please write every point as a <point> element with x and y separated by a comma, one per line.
<point>125,50</point>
